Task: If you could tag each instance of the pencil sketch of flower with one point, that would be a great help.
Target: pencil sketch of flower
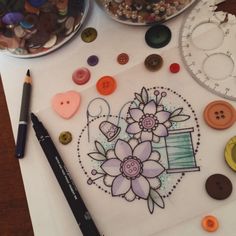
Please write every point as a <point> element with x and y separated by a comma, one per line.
<point>133,169</point>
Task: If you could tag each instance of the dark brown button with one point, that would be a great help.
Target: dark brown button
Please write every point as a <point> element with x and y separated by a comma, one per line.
<point>153,62</point>
<point>218,186</point>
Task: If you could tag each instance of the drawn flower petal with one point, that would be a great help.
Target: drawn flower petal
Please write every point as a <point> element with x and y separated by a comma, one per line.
<point>167,124</point>
<point>163,116</point>
<point>146,136</point>
<point>161,131</point>
<point>143,151</point>
<point>133,128</point>
<point>110,154</point>
<point>155,183</point>
<point>155,156</point>
<point>122,149</point>
<point>108,180</point>
<point>155,139</point>
<point>112,166</point>
<point>130,196</point>
<point>141,187</point>
<point>152,169</point>
<point>120,185</point>
<point>136,113</point>
<point>150,108</point>
<point>133,142</point>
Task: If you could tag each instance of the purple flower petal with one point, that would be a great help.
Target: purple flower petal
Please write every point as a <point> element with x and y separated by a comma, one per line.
<point>152,169</point>
<point>136,113</point>
<point>163,116</point>
<point>150,108</point>
<point>122,149</point>
<point>146,136</point>
<point>133,128</point>
<point>143,151</point>
<point>141,187</point>
<point>161,131</point>
<point>120,186</point>
<point>112,167</point>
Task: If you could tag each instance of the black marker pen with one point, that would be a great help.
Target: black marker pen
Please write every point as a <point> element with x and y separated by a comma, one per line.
<point>73,198</point>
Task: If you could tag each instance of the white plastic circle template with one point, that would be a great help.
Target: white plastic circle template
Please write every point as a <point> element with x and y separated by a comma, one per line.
<point>208,49</point>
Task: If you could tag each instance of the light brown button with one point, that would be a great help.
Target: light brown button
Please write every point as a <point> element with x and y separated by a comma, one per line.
<point>123,58</point>
<point>219,114</point>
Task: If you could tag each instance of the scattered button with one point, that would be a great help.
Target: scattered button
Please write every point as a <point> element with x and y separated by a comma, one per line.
<point>153,62</point>
<point>93,60</point>
<point>210,223</point>
<point>36,3</point>
<point>174,68</point>
<point>65,137</point>
<point>123,58</point>
<point>81,76</point>
<point>230,153</point>
<point>158,36</point>
<point>66,104</point>
<point>106,85</point>
<point>89,35</point>
<point>219,114</point>
<point>218,186</point>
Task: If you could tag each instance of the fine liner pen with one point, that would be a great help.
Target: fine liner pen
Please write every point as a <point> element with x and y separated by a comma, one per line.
<point>24,113</point>
<point>72,196</point>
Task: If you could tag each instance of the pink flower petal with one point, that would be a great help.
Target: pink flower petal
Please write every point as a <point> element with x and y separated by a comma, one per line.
<point>143,151</point>
<point>120,186</point>
<point>152,169</point>
<point>133,128</point>
<point>150,108</point>
<point>136,113</point>
<point>122,149</point>
<point>141,187</point>
<point>163,116</point>
<point>161,131</point>
<point>146,136</point>
<point>112,166</point>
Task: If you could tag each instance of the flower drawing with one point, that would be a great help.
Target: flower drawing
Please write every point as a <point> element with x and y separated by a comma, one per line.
<point>134,169</point>
<point>149,123</point>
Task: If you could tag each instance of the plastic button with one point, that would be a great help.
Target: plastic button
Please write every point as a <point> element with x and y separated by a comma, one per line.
<point>218,186</point>
<point>81,76</point>
<point>106,85</point>
<point>123,58</point>
<point>174,68</point>
<point>230,153</point>
<point>153,62</point>
<point>219,114</point>
<point>210,223</point>
<point>93,60</point>
<point>158,36</point>
<point>89,35</point>
<point>65,137</point>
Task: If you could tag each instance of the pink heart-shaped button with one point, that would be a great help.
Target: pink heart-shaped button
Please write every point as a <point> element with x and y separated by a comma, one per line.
<point>66,104</point>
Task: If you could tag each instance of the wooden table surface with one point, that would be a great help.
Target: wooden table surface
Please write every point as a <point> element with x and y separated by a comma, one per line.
<point>14,213</point>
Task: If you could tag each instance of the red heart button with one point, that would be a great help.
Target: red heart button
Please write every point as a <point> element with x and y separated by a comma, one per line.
<point>66,104</point>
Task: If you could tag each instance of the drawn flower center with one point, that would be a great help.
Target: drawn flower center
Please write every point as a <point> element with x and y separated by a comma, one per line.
<point>131,167</point>
<point>148,122</point>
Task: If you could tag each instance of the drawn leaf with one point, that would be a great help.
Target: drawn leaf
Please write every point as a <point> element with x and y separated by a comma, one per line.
<point>150,204</point>
<point>179,118</point>
<point>138,97</point>
<point>144,95</point>
<point>100,148</point>
<point>97,156</point>
<point>176,112</point>
<point>157,199</point>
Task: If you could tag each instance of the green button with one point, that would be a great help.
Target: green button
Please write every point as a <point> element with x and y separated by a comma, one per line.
<point>230,153</point>
<point>65,137</point>
<point>89,35</point>
<point>158,36</point>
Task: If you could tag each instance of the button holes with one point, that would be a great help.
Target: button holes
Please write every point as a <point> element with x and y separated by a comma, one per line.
<point>221,112</point>
<point>68,102</point>
<point>217,117</point>
<point>216,113</point>
<point>62,103</point>
<point>222,116</point>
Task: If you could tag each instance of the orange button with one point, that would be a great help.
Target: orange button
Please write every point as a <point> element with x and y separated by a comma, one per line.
<point>106,85</point>
<point>219,114</point>
<point>210,223</point>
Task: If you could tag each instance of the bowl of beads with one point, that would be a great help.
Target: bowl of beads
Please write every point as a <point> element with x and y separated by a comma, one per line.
<point>144,12</point>
<point>31,28</point>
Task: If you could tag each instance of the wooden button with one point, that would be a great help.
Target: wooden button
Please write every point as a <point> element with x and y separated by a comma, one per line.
<point>219,114</point>
<point>218,186</point>
<point>153,62</point>
<point>230,153</point>
<point>210,223</point>
<point>106,85</point>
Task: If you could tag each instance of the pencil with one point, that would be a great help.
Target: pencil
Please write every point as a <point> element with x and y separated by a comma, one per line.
<point>76,203</point>
<point>24,114</point>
